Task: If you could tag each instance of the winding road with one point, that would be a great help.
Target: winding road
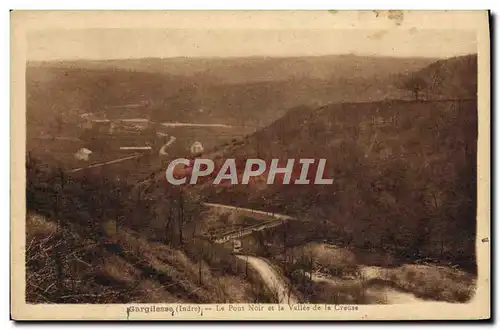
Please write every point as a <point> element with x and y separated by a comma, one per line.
<point>279,286</point>
<point>273,280</point>
<point>163,149</point>
<point>250,211</point>
<point>119,160</point>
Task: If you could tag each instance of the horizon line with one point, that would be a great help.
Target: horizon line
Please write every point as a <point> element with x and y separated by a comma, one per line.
<point>219,57</point>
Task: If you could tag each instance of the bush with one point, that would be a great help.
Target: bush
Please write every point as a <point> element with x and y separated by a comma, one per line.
<point>323,258</point>
<point>435,282</point>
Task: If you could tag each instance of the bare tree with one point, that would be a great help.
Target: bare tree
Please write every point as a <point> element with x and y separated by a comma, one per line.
<point>58,124</point>
<point>246,267</point>
<point>181,216</point>
<point>416,85</point>
<point>436,81</point>
<point>200,268</point>
<point>168,224</point>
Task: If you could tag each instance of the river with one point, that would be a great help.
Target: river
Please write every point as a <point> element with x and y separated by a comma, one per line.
<point>277,284</point>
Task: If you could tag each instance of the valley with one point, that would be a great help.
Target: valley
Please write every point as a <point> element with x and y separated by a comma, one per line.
<point>397,225</point>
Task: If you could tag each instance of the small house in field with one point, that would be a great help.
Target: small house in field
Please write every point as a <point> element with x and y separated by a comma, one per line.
<point>83,154</point>
<point>196,148</point>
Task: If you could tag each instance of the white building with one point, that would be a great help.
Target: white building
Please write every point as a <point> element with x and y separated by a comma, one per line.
<point>196,148</point>
<point>83,154</point>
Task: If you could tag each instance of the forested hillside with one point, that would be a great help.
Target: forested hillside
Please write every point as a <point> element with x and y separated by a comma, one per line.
<point>404,171</point>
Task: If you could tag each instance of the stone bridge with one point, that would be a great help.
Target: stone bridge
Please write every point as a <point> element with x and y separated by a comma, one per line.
<point>278,219</point>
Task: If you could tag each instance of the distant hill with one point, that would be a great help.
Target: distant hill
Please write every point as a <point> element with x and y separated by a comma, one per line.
<point>234,90</point>
<point>255,69</point>
<point>452,78</point>
<point>245,93</point>
<point>65,93</point>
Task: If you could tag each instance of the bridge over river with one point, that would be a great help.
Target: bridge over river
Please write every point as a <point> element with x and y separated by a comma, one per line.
<point>276,220</point>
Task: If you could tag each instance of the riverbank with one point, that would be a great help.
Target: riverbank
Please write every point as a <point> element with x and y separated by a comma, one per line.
<point>325,273</point>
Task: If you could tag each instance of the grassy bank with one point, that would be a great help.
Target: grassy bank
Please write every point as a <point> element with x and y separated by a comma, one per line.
<point>325,273</point>
<point>90,241</point>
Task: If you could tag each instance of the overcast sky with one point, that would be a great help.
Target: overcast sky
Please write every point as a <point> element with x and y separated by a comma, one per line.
<point>138,43</point>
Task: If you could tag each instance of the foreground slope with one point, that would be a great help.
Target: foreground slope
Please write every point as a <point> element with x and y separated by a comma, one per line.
<point>90,241</point>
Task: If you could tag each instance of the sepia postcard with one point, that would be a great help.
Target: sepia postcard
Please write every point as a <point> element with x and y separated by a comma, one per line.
<point>250,165</point>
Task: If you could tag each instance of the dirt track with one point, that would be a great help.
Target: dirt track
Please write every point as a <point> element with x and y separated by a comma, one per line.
<point>272,279</point>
